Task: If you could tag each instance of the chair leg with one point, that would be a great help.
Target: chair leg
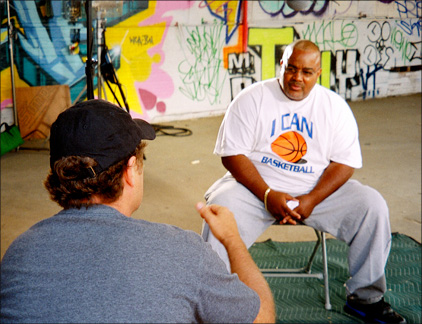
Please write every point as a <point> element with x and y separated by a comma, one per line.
<point>305,272</point>
<point>325,273</point>
<point>308,267</point>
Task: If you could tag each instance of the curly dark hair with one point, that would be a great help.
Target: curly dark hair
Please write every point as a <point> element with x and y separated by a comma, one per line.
<point>70,188</point>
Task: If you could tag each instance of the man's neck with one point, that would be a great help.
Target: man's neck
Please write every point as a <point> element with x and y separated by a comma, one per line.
<point>121,207</point>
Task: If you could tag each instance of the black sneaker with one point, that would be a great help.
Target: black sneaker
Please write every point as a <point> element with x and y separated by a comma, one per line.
<point>379,312</point>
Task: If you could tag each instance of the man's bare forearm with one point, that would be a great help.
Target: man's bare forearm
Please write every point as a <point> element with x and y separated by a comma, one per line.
<point>246,173</point>
<point>243,265</point>
<point>334,176</point>
<point>224,227</point>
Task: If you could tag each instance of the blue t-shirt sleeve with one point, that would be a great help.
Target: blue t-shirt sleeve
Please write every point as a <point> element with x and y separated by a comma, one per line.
<point>223,297</point>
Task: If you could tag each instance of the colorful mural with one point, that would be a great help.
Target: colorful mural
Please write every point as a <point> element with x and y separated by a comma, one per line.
<point>185,59</point>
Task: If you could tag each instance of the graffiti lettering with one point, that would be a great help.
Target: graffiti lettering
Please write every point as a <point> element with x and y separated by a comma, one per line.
<point>239,83</point>
<point>378,33</point>
<point>325,34</point>
<point>409,50</point>
<point>242,63</point>
<point>142,40</point>
<point>326,59</point>
<point>190,46</point>
<point>365,80</point>
<point>377,52</point>
<point>371,55</point>
<point>267,39</point>
<point>409,10</point>
<point>347,71</point>
<point>408,27</point>
<point>201,73</point>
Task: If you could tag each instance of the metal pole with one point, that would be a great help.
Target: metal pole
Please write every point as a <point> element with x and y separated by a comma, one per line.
<point>99,47</point>
<point>12,63</point>
<point>88,67</point>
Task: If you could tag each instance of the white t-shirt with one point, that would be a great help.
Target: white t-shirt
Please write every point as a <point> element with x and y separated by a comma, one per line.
<point>320,127</point>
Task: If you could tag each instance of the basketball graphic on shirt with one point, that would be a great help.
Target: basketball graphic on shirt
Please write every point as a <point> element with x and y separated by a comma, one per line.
<point>290,146</point>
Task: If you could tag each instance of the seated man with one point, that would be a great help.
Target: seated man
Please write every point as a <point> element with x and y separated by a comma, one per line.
<point>92,263</point>
<point>290,139</point>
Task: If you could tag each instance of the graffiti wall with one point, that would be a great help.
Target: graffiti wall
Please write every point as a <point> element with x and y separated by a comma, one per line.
<point>186,59</point>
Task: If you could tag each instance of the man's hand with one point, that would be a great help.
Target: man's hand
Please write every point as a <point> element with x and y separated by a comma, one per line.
<point>306,206</point>
<point>277,206</point>
<point>221,222</point>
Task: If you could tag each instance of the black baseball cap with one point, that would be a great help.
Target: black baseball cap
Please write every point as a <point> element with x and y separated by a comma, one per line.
<point>98,129</point>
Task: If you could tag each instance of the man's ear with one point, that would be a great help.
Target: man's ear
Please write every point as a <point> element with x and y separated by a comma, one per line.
<point>131,171</point>
<point>282,68</point>
<point>319,72</point>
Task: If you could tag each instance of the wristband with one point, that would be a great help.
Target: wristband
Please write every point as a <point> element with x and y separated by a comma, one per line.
<point>266,196</point>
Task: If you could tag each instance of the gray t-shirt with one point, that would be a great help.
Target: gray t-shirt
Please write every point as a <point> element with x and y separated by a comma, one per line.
<point>97,265</point>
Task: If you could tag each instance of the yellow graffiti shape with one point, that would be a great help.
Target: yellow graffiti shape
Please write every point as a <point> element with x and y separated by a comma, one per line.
<point>135,43</point>
<point>267,38</point>
<point>226,10</point>
<point>6,83</point>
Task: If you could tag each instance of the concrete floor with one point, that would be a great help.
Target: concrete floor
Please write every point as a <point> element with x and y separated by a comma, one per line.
<point>178,170</point>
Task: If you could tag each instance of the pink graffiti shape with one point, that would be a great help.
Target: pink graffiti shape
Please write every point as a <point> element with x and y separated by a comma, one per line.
<point>159,83</point>
<point>161,107</point>
<point>148,99</point>
<point>6,103</point>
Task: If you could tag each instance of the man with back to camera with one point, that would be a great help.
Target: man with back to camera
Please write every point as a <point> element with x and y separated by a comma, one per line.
<point>291,141</point>
<point>93,263</point>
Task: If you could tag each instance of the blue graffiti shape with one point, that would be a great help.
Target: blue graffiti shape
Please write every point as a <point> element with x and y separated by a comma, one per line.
<point>224,9</point>
<point>366,76</point>
<point>49,48</point>
<point>410,10</point>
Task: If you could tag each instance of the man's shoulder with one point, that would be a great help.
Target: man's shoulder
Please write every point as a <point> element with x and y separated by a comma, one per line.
<point>260,86</point>
<point>328,92</point>
<point>266,84</point>
<point>174,234</point>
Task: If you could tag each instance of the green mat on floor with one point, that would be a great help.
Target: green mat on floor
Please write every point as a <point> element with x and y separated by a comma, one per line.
<point>301,300</point>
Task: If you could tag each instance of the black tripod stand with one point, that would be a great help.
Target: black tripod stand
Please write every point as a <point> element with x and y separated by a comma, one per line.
<point>107,72</point>
<point>105,68</point>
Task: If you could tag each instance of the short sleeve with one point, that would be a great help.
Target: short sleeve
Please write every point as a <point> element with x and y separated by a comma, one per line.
<point>223,297</point>
<point>346,146</point>
<point>237,131</point>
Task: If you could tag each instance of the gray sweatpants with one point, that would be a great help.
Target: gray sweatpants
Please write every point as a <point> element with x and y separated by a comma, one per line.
<point>355,213</point>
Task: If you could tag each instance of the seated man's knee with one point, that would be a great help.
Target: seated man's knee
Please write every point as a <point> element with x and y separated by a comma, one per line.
<point>373,202</point>
<point>229,194</point>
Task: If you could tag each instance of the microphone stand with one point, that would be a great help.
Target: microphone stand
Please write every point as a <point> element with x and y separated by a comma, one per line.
<point>105,69</point>
<point>90,64</point>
